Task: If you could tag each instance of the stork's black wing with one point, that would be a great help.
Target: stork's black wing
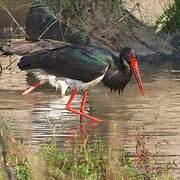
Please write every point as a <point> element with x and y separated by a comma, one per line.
<point>71,62</point>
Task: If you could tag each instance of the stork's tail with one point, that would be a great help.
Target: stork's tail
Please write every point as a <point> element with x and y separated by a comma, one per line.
<point>32,61</point>
<point>24,64</point>
<point>27,63</point>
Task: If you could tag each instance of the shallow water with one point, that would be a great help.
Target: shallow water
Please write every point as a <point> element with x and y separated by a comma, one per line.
<point>41,114</point>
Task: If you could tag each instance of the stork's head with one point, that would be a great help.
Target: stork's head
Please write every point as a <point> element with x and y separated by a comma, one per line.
<point>129,58</point>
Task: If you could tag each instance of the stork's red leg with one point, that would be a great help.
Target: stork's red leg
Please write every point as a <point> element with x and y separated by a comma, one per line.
<point>73,93</point>
<point>82,109</point>
<point>68,107</point>
<point>34,86</point>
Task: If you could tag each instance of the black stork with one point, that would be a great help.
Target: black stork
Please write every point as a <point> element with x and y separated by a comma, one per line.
<point>80,67</point>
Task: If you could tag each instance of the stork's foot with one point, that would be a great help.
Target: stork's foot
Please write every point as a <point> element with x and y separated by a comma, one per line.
<point>83,115</point>
<point>81,112</point>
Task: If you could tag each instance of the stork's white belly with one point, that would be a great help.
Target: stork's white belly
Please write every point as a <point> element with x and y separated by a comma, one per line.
<point>63,83</point>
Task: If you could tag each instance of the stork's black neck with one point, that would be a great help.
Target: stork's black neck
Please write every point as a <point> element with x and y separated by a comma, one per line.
<point>117,77</point>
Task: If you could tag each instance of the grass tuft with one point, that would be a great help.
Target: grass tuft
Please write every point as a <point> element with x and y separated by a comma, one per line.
<point>96,160</point>
<point>15,162</point>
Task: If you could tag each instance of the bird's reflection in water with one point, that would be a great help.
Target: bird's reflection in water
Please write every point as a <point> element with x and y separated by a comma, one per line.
<point>82,129</point>
<point>50,119</point>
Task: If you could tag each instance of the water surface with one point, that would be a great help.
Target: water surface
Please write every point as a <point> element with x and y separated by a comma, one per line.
<point>42,113</point>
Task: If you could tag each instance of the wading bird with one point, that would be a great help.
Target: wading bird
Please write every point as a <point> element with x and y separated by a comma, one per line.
<point>76,67</point>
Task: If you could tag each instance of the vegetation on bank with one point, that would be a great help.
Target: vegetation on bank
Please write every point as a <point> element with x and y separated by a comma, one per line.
<point>83,159</point>
<point>87,15</point>
<point>169,21</point>
<point>14,162</point>
<point>108,23</point>
<point>77,10</point>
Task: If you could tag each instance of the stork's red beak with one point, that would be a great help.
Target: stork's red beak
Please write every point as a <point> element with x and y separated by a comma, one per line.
<point>136,73</point>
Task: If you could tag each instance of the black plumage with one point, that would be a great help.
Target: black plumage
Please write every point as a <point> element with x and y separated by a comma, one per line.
<point>84,63</point>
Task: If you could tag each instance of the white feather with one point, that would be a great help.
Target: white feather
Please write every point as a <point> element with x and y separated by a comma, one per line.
<point>64,83</point>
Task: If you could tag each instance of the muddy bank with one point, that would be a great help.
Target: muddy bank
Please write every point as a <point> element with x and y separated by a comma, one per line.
<point>126,30</point>
<point>133,33</point>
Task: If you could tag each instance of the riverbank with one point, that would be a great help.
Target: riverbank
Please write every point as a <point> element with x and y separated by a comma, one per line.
<point>111,25</point>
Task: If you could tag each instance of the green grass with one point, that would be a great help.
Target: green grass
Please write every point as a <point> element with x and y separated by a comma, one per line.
<point>13,153</point>
<point>169,21</point>
<point>78,161</point>
<point>84,158</point>
<point>82,12</point>
<point>92,14</point>
<point>87,160</point>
